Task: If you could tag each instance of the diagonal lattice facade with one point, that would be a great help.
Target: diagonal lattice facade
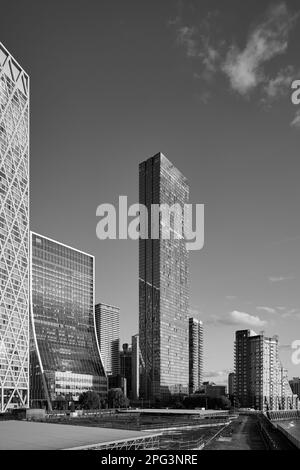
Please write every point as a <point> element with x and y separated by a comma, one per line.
<point>14,233</point>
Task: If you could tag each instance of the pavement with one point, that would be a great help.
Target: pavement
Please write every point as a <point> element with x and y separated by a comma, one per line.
<point>241,434</point>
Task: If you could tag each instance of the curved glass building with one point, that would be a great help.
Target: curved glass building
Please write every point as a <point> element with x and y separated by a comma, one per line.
<point>65,358</point>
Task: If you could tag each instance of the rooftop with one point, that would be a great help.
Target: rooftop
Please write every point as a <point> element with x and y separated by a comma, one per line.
<point>25,435</point>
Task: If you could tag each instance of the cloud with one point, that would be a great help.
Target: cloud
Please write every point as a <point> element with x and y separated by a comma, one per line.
<point>217,376</point>
<point>200,42</point>
<point>296,121</point>
<point>293,312</point>
<point>231,297</point>
<point>216,373</point>
<point>274,279</point>
<point>267,309</point>
<point>236,318</point>
<point>185,37</point>
<point>279,86</point>
<point>245,68</point>
<point>246,319</point>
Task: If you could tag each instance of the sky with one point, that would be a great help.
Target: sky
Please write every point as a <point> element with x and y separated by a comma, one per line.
<point>208,84</point>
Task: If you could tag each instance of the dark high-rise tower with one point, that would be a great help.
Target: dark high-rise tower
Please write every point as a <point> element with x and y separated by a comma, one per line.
<point>163,286</point>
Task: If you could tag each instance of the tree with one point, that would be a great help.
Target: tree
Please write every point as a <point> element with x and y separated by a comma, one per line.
<point>224,403</point>
<point>60,403</point>
<point>89,400</point>
<point>117,399</point>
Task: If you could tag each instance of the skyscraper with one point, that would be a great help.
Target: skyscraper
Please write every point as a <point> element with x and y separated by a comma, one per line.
<point>163,287</point>
<point>108,333</point>
<point>231,384</point>
<point>14,233</point>
<point>195,354</point>
<point>135,376</point>
<point>64,354</point>
<point>260,380</point>
<point>126,367</point>
<point>295,386</point>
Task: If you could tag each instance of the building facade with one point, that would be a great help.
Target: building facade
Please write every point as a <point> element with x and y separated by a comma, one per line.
<point>14,233</point>
<point>212,390</point>
<point>195,354</point>
<point>65,358</point>
<point>260,380</point>
<point>295,385</point>
<point>163,285</point>
<point>231,384</point>
<point>108,333</point>
<point>135,367</point>
<point>126,367</point>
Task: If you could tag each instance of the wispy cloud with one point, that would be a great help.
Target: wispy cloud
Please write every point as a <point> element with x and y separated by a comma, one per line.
<point>231,297</point>
<point>245,68</point>
<point>292,312</point>
<point>216,373</point>
<point>185,37</point>
<point>279,86</point>
<point>296,121</point>
<point>267,309</point>
<point>274,279</point>
<point>246,319</point>
<point>237,318</point>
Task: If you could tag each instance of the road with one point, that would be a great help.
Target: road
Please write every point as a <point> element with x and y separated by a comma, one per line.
<point>241,434</point>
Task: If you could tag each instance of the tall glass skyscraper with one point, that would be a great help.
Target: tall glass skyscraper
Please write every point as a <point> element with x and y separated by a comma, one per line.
<point>195,354</point>
<point>65,358</point>
<point>108,333</point>
<point>163,287</point>
<point>14,233</point>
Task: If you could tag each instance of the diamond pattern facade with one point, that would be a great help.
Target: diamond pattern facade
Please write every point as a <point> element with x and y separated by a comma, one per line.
<point>14,233</point>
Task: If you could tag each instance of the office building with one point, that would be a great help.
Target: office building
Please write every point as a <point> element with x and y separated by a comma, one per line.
<point>211,390</point>
<point>260,380</point>
<point>126,367</point>
<point>65,358</point>
<point>195,354</point>
<point>135,367</point>
<point>163,285</point>
<point>295,385</point>
<point>14,233</point>
<point>231,384</point>
<point>108,333</point>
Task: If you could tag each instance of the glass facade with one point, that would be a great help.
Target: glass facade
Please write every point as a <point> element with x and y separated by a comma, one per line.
<point>163,288</point>
<point>14,233</point>
<point>195,354</point>
<point>108,333</point>
<point>64,355</point>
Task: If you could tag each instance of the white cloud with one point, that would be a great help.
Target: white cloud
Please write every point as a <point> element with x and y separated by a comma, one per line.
<point>246,319</point>
<point>267,309</point>
<point>280,278</point>
<point>245,68</point>
<point>296,121</point>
